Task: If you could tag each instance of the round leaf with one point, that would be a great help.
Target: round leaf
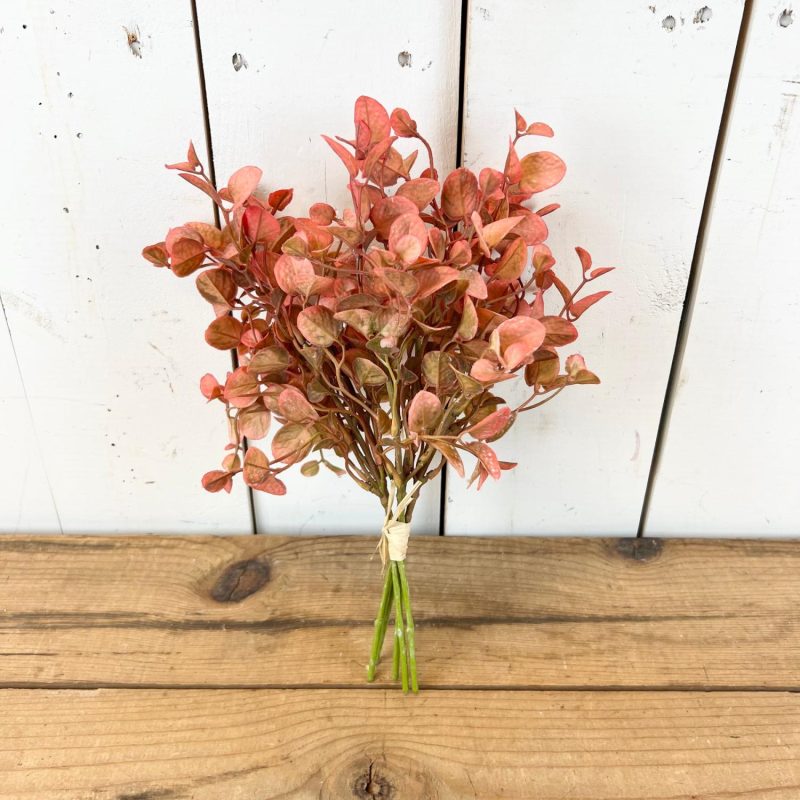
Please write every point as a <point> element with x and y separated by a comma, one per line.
<point>254,422</point>
<point>224,333</point>
<point>460,194</point>
<point>424,412</point>
<point>291,443</point>
<point>540,171</point>
<point>317,324</point>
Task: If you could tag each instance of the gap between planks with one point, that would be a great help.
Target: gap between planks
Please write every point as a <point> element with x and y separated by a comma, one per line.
<point>685,324</point>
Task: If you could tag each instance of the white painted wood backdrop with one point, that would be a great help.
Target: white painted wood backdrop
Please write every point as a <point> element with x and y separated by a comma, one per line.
<point>731,458</point>
<point>636,110</point>
<point>101,422</point>
<point>109,350</point>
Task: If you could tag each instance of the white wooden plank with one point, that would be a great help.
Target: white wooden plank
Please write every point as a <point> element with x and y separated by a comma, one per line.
<point>635,103</point>
<point>27,502</point>
<point>305,67</point>
<point>729,465</point>
<point>110,349</point>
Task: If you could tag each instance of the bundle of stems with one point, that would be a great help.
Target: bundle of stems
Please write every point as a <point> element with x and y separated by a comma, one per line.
<point>396,597</point>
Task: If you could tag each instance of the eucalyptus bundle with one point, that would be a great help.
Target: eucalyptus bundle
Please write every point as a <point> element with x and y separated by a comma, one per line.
<point>375,341</point>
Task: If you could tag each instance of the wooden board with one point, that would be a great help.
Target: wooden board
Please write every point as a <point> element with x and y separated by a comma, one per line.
<point>110,350</point>
<point>730,455</point>
<point>297,612</point>
<point>636,109</point>
<point>327,745</point>
<point>303,74</point>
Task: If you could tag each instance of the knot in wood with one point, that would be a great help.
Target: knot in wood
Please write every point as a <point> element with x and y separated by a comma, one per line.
<point>370,785</point>
<point>639,549</point>
<point>240,580</point>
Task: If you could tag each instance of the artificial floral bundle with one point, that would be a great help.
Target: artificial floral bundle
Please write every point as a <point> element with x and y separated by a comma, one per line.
<point>381,336</point>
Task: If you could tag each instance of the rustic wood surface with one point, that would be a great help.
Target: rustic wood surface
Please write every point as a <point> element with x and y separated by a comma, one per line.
<point>298,612</point>
<point>211,668</point>
<point>118,744</point>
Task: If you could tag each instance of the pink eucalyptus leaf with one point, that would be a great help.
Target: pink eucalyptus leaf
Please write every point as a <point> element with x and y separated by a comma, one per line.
<point>491,182</point>
<point>217,287</point>
<point>345,155</point>
<point>424,412</point>
<point>434,278</point>
<point>322,213</point>
<point>224,333</point>
<point>559,331</point>
<point>210,387</point>
<point>487,371</point>
<point>468,325</point>
<point>420,191</point>
<point>370,113</point>
<point>293,405</point>
<point>292,443</point>
<point>476,286</point>
<point>408,237</point>
<point>516,339</point>
<point>513,170</point>
<point>540,171</point>
<point>217,480</point>
<point>243,183</point>
<point>579,307</point>
<point>531,227</point>
<point>539,129</point>
<point>318,326</point>
<point>260,225</point>
<point>402,124</point>
<point>241,388</point>
<point>460,194</point>
<point>256,467</point>
<point>585,258</point>
<point>513,261</point>
<point>387,210</point>
<point>254,421</point>
<point>295,275</point>
<point>496,231</point>
<point>493,425</point>
<point>450,454</point>
<point>203,185</point>
<point>487,457</point>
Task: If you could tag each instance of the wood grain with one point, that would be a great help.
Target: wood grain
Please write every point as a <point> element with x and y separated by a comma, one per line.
<point>295,611</point>
<point>306,65</point>
<point>636,109</point>
<point>102,424</point>
<point>729,463</point>
<point>329,744</point>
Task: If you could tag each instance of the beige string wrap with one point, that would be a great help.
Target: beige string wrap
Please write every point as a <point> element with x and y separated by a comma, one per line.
<point>394,534</point>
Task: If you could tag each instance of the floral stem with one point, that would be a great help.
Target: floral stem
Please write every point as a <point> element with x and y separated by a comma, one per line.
<point>399,633</point>
<point>395,655</point>
<point>381,623</point>
<point>406,602</point>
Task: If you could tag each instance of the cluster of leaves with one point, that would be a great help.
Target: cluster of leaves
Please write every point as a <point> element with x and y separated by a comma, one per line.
<point>381,336</point>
